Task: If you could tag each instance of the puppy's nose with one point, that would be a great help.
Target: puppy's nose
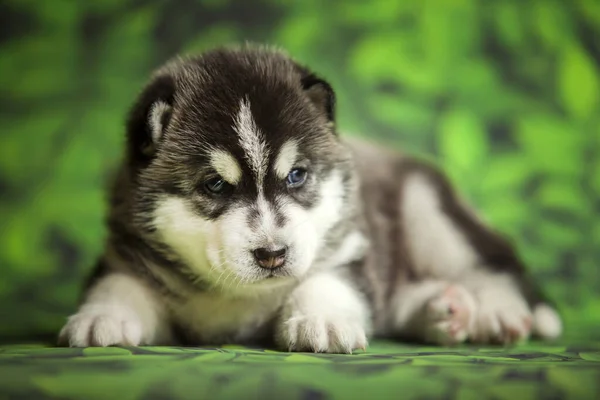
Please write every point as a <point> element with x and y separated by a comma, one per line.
<point>268,258</point>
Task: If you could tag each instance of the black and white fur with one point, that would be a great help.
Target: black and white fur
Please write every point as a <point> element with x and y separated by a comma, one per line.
<point>378,244</point>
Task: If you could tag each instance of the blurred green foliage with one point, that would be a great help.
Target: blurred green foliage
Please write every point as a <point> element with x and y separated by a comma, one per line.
<point>505,95</point>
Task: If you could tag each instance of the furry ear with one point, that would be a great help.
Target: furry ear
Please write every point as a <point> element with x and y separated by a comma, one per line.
<point>320,93</point>
<point>148,119</point>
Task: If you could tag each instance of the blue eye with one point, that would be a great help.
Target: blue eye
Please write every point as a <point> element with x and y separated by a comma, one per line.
<point>296,177</point>
<point>217,185</point>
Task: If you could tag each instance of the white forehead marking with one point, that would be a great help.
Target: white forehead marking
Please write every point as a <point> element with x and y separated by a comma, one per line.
<point>226,166</point>
<point>286,158</point>
<point>252,141</point>
<point>266,218</point>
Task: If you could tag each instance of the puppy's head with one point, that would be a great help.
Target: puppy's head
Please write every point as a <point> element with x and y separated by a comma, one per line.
<point>237,167</point>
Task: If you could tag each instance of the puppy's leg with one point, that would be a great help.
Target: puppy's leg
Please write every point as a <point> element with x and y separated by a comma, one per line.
<point>324,314</point>
<point>431,311</point>
<point>447,241</point>
<point>119,309</point>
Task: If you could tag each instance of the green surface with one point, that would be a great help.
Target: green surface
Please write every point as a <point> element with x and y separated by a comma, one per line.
<point>386,370</point>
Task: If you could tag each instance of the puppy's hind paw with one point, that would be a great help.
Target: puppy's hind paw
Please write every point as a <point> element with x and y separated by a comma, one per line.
<point>502,323</point>
<point>449,315</point>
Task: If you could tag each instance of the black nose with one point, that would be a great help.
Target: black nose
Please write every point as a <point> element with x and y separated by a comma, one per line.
<point>268,258</point>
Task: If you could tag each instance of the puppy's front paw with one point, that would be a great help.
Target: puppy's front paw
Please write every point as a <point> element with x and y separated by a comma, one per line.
<point>322,334</point>
<point>101,326</point>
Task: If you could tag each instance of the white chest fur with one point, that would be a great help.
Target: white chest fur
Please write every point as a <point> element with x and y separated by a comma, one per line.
<point>213,317</point>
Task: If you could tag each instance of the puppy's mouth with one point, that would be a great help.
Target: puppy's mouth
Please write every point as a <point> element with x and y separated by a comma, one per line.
<point>280,272</point>
<point>276,273</point>
<point>272,271</point>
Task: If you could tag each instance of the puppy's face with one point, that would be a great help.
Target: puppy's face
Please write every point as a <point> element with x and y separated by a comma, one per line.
<point>240,173</point>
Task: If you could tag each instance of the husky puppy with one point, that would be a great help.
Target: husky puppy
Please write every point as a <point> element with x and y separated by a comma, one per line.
<point>239,215</point>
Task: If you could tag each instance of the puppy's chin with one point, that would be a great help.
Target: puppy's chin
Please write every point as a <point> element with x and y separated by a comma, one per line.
<point>231,277</point>
<point>254,283</point>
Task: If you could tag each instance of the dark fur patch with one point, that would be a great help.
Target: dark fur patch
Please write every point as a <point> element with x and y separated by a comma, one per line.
<point>139,133</point>
<point>321,93</point>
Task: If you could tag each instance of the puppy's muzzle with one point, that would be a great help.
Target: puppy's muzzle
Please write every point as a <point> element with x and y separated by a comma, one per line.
<point>269,258</point>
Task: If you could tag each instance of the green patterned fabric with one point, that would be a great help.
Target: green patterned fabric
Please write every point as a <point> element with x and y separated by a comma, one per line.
<point>386,370</point>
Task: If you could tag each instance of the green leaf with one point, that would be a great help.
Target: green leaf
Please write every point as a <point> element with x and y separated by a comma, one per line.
<point>564,195</point>
<point>506,172</point>
<point>595,177</point>
<point>406,114</point>
<point>508,23</point>
<point>552,145</point>
<point>506,212</point>
<point>463,140</point>
<point>539,258</point>
<point>365,14</point>
<point>299,31</point>
<point>557,234</point>
<point>390,57</point>
<point>552,23</point>
<point>578,82</point>
<point>596,234</point>
<point>590,11</point>
<point>222,34</point>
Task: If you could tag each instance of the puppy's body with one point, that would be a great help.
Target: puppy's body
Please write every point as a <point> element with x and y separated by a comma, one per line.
<point>241,216</point>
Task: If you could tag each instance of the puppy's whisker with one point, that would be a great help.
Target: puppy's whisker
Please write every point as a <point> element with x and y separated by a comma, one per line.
<point>220,276</point>
<point>226,283</point>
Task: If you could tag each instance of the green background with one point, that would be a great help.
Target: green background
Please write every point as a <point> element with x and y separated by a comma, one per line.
<point>503,94</point>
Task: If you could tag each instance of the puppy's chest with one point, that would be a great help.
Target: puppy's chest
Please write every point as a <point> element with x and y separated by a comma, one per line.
<point>214,319</point>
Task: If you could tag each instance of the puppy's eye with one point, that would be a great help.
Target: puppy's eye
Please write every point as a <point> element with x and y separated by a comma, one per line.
<point>296,177</point>
<point>217,185</point>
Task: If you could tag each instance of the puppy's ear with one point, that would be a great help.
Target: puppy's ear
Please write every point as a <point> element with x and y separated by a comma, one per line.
<point>149,118</point>
<point>320,93</point>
